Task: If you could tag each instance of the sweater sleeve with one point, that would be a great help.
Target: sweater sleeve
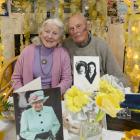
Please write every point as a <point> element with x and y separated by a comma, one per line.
<point>66,74</point>
<point>23,68</point>
<point>111,66</point>
<point>17,76</point>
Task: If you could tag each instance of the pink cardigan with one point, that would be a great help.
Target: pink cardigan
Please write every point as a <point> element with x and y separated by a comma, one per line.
<point>61,69</point>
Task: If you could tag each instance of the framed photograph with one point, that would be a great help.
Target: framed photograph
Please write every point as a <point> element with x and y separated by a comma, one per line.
<point>22,6</point>
<point>38,114</point>
<point>3,8</point>
<point>112,8</point>
<point>136,7</point>
<point>86,73</point>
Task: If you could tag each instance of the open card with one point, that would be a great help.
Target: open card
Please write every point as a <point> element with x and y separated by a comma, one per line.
<point>33,85</point>
<point>38,114</point>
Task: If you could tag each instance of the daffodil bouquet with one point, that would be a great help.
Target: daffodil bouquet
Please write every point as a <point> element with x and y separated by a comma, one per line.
<point>82,105</point>
<point>108,100</point>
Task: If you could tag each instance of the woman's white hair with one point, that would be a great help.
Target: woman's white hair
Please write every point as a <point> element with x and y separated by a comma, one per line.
<point>55,21</point>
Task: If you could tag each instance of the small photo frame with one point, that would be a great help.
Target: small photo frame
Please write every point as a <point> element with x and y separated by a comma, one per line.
<point>86,73</point>
<point>3,8</point>
<point>18,6</point>
<point>38,114</point>
<point>112,8</point>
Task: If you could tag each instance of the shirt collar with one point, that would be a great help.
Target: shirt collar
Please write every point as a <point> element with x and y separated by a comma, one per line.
<point>86,43</point>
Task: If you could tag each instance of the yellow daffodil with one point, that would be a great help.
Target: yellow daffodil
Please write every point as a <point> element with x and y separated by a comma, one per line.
<point>109,98</point>
<point>76,99</point>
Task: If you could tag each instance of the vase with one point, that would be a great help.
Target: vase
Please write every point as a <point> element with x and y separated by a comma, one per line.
<point>90,131</point>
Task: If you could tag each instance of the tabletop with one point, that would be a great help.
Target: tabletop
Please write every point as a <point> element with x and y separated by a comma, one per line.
<point>9,127</point>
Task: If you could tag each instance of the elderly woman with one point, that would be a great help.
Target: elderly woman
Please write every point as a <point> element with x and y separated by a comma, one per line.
<point>39,122</point>
<point>47,59</point>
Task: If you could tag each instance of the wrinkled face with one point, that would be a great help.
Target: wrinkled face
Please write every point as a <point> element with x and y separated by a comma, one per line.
<point>78,29</point>
<point>50,36</point>
<point>37,106</point>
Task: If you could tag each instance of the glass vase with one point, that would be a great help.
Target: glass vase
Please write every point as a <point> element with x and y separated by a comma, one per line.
<point>90,131</point>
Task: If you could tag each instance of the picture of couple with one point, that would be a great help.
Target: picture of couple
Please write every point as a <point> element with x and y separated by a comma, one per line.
<point>88,70</point>
<point>86,73</point>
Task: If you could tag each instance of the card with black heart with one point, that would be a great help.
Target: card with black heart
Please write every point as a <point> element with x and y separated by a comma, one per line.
<point>86,73</point>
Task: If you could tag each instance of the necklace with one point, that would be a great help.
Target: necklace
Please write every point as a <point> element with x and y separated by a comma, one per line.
<point>44,61</point>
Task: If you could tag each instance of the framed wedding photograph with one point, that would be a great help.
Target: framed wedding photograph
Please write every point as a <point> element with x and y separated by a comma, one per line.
<point>86,73</point>
<point>38,114</point>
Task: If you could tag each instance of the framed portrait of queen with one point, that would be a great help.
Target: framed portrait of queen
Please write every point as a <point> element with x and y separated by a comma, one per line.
<point>86,73</point>
<point>38,114</point>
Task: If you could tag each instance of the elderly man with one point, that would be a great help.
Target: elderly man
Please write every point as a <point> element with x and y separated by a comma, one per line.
<point>82,43</point>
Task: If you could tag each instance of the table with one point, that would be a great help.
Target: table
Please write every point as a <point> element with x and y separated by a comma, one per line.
<point>106,135</point>
<point>9,127</point>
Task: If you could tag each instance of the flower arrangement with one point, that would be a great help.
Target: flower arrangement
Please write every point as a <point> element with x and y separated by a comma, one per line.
<point>82,104</point>
<point>108,100</point>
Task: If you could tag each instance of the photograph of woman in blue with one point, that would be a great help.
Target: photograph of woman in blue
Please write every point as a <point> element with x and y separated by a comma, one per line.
<point>39,122</point>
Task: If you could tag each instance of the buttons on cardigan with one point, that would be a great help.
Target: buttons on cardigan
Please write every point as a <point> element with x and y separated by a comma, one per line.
<point>42,129</point>
<point>41,122</point>
<point>39,115</point>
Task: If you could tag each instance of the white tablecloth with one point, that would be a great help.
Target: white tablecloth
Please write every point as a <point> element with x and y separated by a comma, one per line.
<point>106,135</point>
<point>11,132</point>
<point>112,135</point>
